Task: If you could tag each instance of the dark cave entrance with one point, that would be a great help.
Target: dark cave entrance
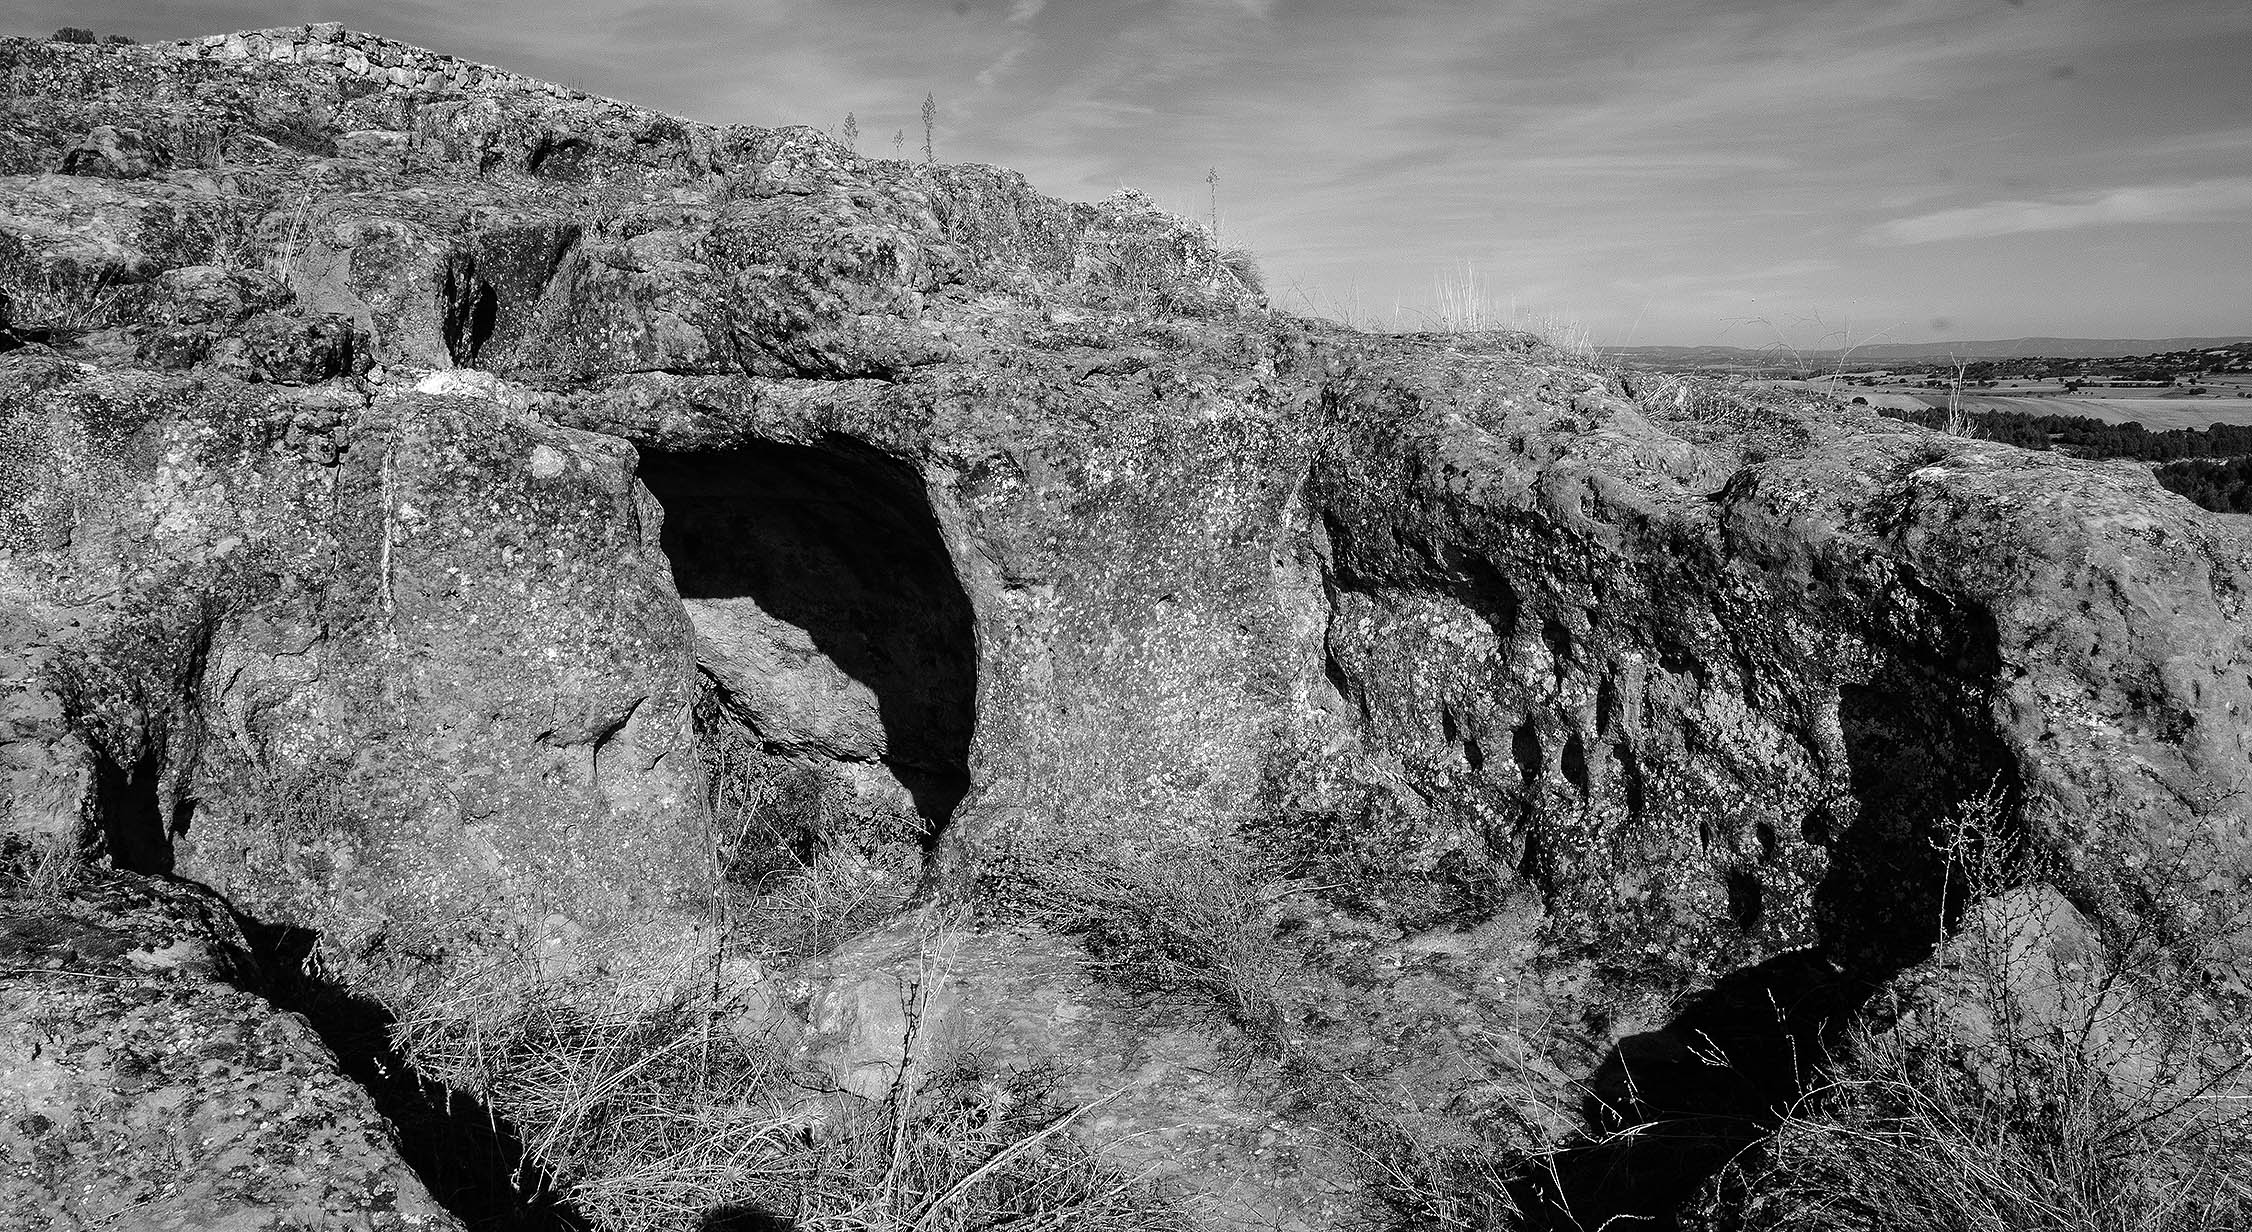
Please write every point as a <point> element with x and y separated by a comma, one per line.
<point>826,607</point>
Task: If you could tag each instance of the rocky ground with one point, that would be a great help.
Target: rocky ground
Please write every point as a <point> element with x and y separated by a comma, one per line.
<point>536,552</point>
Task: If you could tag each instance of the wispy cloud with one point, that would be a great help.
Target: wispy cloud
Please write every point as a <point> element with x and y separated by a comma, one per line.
<point>2149,203</point>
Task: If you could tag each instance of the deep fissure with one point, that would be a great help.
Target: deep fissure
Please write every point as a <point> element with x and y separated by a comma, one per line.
<point>473,1160</point>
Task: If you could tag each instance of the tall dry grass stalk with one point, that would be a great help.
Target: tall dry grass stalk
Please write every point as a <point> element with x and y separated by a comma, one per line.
<point>1461,303</point>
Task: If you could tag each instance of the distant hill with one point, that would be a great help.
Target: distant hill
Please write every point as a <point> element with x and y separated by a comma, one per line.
<point>2011,348</point>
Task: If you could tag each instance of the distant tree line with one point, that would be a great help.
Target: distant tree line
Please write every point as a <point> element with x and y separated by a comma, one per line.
<point>2094,438</point>
<point>2223,487</point>
<point>79,34</point>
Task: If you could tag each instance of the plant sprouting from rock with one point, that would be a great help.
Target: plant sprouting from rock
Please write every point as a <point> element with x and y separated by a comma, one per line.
<point>930,124</point>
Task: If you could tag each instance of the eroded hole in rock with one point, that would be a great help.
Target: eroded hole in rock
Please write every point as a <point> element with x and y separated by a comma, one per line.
<point>1746,901</point>
<point>1524,748</point>
<point>1481,586</point>
<point>827,612</point>
<point>1574,763</point>
<point>558,158</point>
<point>1559,640</point>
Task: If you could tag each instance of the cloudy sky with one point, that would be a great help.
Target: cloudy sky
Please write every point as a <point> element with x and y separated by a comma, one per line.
<point>1662,171</point>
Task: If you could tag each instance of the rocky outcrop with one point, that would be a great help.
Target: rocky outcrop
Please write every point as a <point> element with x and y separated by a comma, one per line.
<point>417,478</point>
<point>141,1087</point>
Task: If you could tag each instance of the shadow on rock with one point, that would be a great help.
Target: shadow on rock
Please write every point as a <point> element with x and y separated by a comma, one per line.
<point>471,1159</point>
<point>1668,1109</point>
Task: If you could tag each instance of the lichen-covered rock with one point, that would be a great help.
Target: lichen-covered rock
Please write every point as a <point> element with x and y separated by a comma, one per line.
<point>140,1088</point>
<point>110,153</point>
<point>258,600</point>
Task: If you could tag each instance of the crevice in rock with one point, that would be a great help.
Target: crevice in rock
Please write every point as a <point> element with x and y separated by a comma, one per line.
<point>1695,1093</point>
<point>1630,781</point>
<point>472,309</point>
<point>1524,748</point>
<point>826,605</point>
<point>470,1158</point>
<point>136,828</point>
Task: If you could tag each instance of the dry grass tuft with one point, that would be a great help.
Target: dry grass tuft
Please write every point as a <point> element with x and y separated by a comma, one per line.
<point>654,1079</point>
<point>802,866</point>
<point>40,867</point>
<point>1910,1141</point>
<point>663,1108</point>
<point>1191,926</point>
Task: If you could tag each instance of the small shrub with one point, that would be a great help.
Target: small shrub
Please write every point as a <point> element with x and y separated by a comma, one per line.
<point>73,34</point>
<point>1245,266</point>
<point>1190,926</point>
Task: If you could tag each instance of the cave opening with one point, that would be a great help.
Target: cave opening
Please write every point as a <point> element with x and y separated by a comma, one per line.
<point>827,609</point>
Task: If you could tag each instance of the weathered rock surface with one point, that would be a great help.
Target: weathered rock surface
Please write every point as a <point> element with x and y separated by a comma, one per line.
<point>394,458</point>
<point>141,1087</point>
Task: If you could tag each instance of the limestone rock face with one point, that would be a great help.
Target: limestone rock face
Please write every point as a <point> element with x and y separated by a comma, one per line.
<point>420,475</point>
<point>140,1087</point>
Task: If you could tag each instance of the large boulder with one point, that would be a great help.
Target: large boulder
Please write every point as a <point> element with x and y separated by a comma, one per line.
<point>142,1086</point>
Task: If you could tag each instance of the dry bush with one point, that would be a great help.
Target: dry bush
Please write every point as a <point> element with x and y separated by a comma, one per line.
<point>1244,264</point>
<point>1190,926</point>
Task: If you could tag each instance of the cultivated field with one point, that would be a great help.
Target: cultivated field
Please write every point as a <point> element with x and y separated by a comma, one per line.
<point>2156,409</point>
